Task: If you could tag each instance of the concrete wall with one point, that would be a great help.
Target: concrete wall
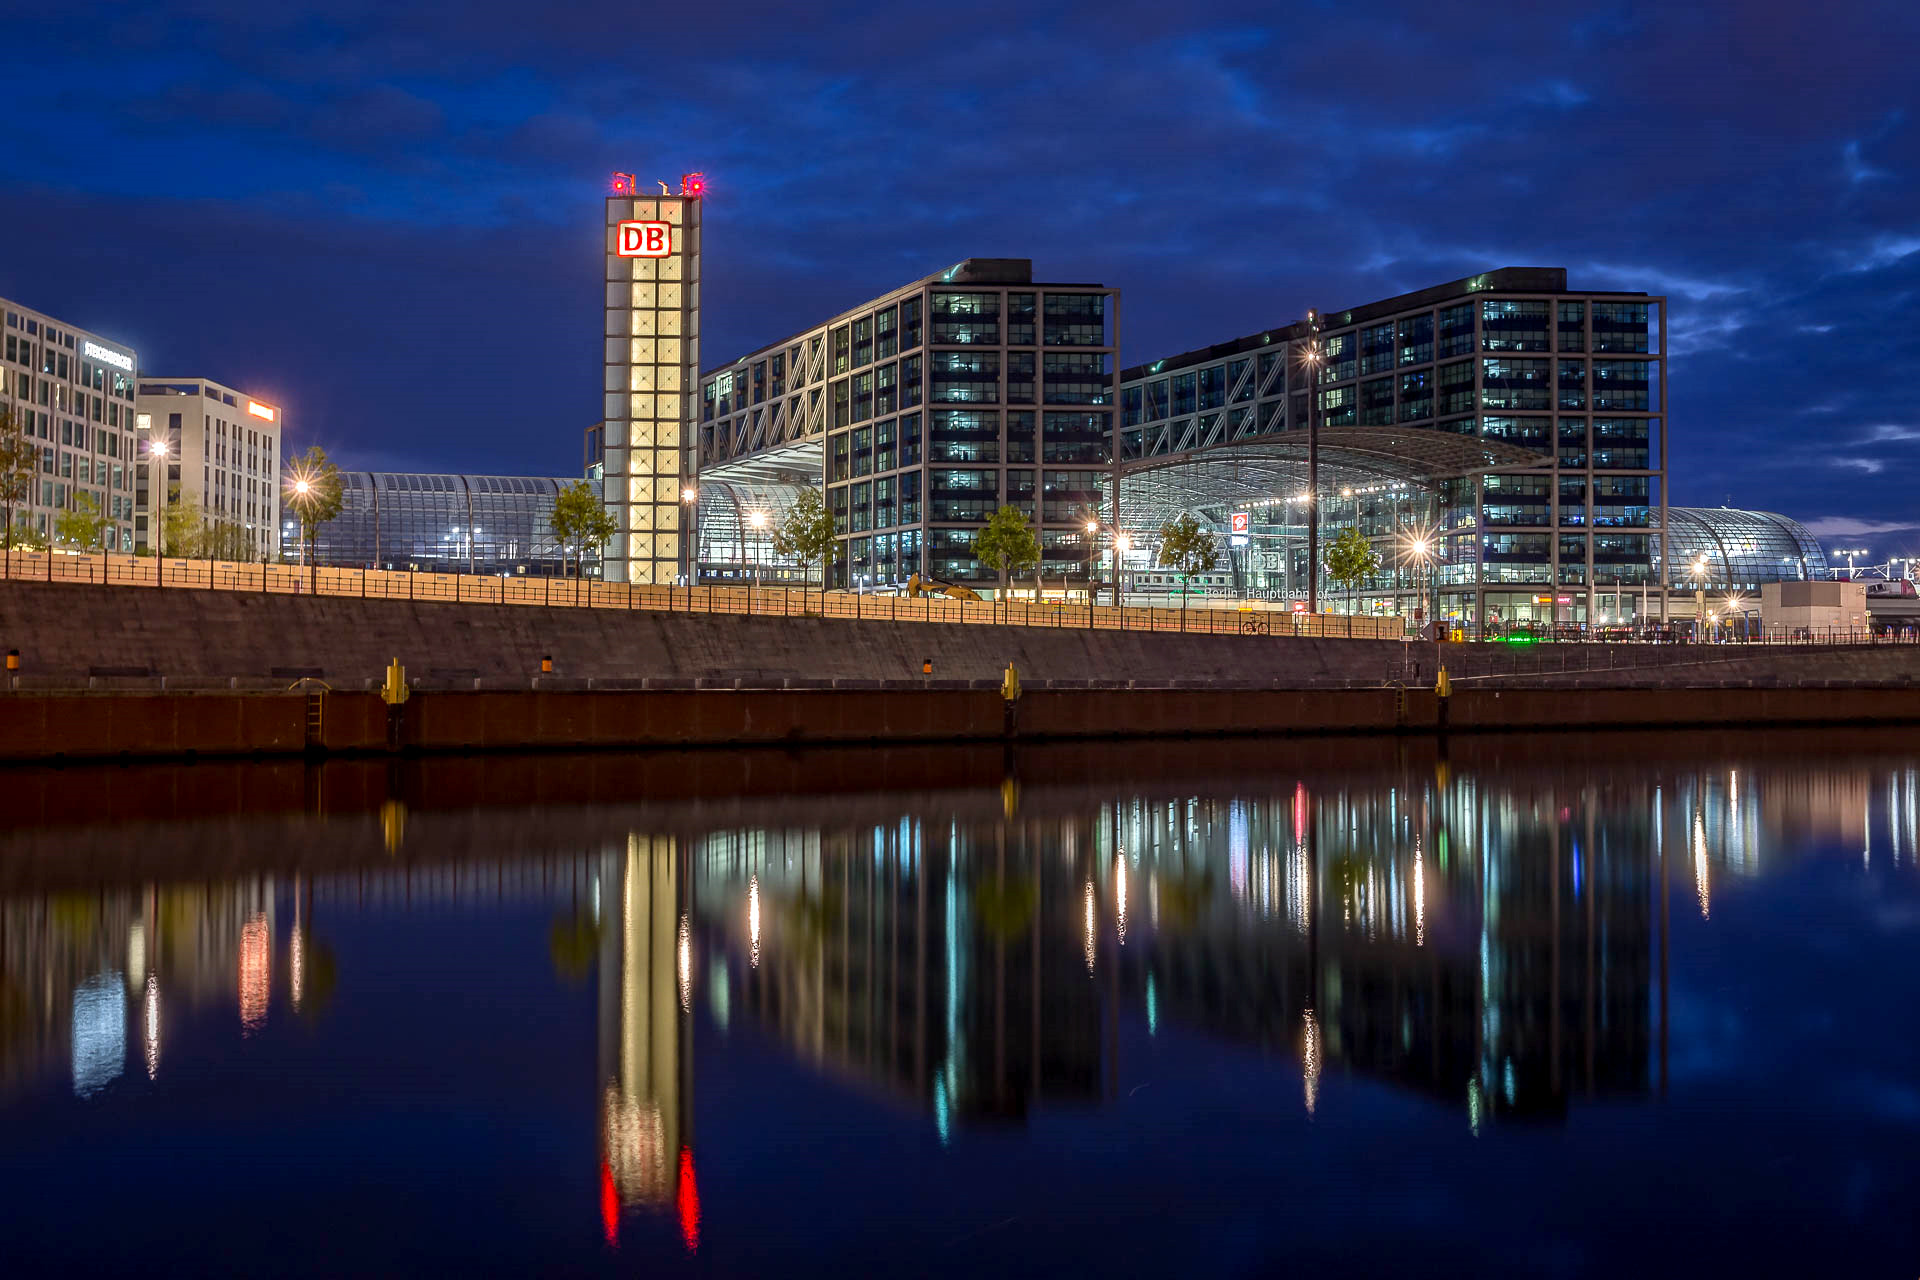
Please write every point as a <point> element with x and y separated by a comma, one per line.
<point>65,633</point>
<point>43,726</point>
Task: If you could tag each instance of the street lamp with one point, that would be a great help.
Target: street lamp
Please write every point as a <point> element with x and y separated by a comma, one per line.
<point>158,449</point>
<point>301,494</point>
<point>690,497</point>
<point>1310,359</point>
<point>1699,594</point>
<point>758,519</point>
<point>1420,549</point>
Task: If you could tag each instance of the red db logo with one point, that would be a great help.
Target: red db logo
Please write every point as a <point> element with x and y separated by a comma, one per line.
<point>643,240</point>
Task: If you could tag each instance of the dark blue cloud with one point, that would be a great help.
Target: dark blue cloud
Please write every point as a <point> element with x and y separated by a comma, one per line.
<point>386,215</point>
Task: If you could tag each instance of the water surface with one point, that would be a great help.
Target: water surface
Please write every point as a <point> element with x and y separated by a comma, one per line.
<point>1548,1007</point>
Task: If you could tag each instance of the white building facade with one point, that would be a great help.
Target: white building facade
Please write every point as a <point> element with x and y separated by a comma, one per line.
<point>223,452</point>
<point>73,393</point>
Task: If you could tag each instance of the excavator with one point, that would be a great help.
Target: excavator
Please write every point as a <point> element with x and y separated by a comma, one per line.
<point>916,588</point>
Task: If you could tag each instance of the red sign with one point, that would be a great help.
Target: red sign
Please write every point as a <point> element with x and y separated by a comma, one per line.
<point>644,240</point>
<point>1239,522</point>
<point>1299,606</point>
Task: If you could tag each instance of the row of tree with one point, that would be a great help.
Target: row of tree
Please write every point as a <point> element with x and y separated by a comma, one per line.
<point>580,521</point>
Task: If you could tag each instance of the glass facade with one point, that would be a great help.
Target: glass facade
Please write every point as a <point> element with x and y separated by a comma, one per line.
<point>440,524</point>
<point>924,410</point>
<point>1511,356</point>
<point>1722,549</point>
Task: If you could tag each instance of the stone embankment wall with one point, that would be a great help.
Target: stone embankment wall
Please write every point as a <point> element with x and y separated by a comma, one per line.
<point>136,637</point>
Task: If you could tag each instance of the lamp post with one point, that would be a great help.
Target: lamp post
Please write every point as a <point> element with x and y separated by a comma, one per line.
<point>302,499</point>
<point>690,498</point>
<point>758,519</point>
<point>1700,618</point>
<point>1310,359</point>
<point>157,480</point>
<point>1420,550</point>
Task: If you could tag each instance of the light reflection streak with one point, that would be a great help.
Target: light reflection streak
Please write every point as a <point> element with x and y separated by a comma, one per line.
<point>1120,896</point>
<point>296,967</point>
<point>753,920</point>
<point>1310,1061</point>
<point>153,1025</point>
<point>1090,926</point>
<point>256,972</point>
<point>99,1032</point>
<point>1419,896</point>
<point>683,964</point>
<point>1700,885</point>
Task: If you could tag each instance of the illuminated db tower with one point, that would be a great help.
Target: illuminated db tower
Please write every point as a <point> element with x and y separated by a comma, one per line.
<point>653,365</point>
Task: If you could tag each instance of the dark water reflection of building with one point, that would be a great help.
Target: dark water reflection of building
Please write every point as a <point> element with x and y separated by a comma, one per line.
<point>1492,938</point>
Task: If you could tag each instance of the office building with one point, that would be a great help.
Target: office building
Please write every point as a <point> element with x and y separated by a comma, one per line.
<point>72,391</point>
<point>921,411</point>
<point>222,453</point>
<point>1515,423</point>
<point>439,524</point>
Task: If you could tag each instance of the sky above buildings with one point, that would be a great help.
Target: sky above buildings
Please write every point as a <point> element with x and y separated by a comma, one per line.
<point>387,217</point>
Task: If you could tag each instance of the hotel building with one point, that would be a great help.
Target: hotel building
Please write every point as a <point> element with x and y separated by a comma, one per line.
<point>71,391</point>
<point>223,452</point>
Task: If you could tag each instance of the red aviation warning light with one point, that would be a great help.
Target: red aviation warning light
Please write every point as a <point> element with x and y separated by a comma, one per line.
<point>624,184</point>
<point>693,185</point>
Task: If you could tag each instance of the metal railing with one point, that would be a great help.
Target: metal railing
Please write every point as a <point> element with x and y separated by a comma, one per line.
<point>588,593</point>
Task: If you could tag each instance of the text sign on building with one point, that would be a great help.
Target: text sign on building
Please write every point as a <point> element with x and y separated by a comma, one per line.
<point>645,240</point>
<point>94,351</point>
<point>259,410</point>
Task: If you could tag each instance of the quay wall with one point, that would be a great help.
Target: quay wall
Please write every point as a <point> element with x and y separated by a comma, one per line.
<point>78,635</point>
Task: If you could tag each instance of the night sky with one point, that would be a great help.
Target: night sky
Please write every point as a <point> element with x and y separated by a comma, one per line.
<point>387,217</point>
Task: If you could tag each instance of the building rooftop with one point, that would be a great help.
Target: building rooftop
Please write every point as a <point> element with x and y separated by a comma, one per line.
<point>1500,280</point>
<point>981,271</point>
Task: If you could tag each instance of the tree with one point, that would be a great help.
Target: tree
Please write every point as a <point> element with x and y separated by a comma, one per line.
<point>580,518</point>
<point>227,540</point>
<point>19,459</point>
<point>314,492</point>
<point>26,535</point>
<point>1007,545</point>
<point>183,528</point>
<point>1187,549</point>
<point>806,533</point>
<point>1351,560</point>
<point>84,524</point>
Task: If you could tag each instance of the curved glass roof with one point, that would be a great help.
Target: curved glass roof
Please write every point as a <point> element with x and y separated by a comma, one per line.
<point>1739,548</point>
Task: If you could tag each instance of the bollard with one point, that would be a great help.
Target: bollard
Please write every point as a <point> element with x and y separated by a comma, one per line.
<point>546,664</point>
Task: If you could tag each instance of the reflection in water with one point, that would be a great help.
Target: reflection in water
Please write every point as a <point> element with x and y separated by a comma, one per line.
<point>256,972</point>
<point>1493,941</point>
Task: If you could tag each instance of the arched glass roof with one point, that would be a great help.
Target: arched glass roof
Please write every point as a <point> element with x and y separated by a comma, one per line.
<point>1739,548</point>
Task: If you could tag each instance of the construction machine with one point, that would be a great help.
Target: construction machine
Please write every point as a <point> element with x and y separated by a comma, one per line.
<point>916,588</point>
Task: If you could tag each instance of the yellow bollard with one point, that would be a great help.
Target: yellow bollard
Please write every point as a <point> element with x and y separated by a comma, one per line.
<point>1010,685</point>
<point>1443,687</point>
<point>395,691</point>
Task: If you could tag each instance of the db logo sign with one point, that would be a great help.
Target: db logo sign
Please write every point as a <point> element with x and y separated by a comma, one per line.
<point>643,240</point>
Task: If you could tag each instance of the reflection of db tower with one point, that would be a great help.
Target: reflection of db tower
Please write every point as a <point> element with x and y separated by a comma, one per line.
<point>645,1072</point>
<point>652,365</point>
